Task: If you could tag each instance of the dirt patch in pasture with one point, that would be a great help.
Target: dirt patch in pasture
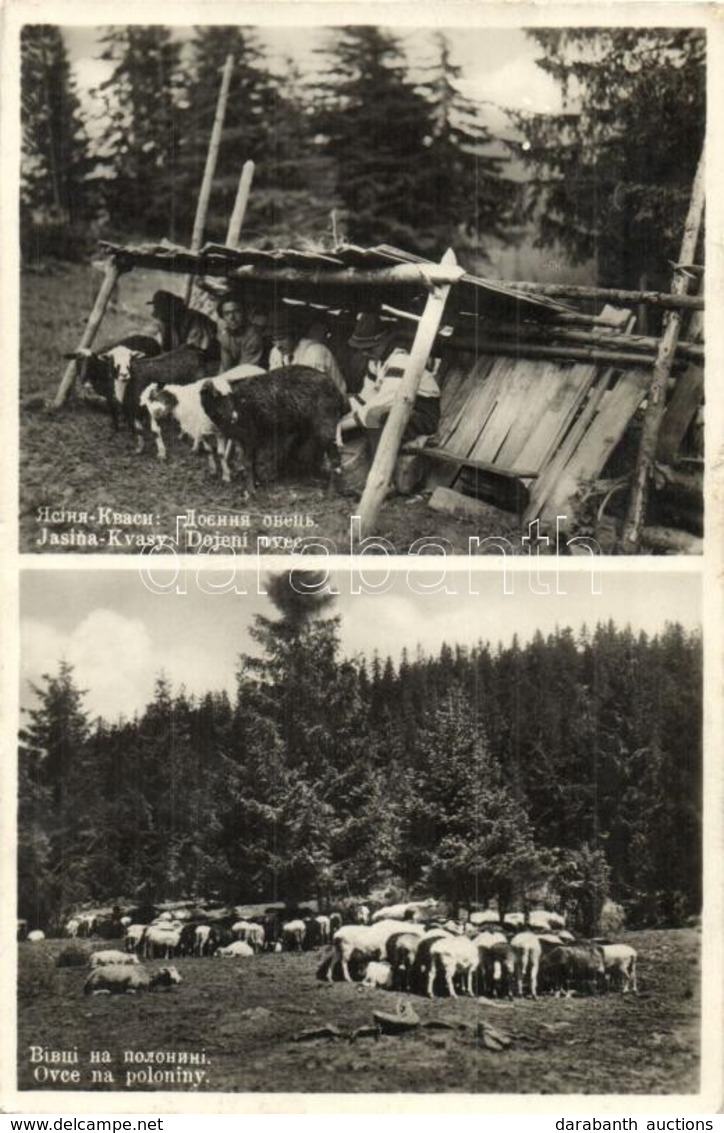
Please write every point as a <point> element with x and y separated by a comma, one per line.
<point>72,463</point>
<point>240,1018</point>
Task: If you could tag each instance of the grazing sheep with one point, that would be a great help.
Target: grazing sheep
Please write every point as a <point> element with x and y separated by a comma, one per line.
<point>497,970</point>
<point>484,917</point>
<point>527,948</point>
<point>450,957</point>
<point>296,403</point>
<point>543,920</point>
<point>401,952</point>
<point>293,934</point>
<point>620,966</point>
<point>127,980</point>
<point>110,957</point>
<point>574,967</point>
<point>365,942</point>
<point>162,939</point>
<point>134,936</point>
<point>204,939</point>
<point>323,929</point>
<point>423,962</point>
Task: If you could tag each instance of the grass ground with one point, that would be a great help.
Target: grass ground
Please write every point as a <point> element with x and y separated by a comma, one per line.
<point>245,1017</point>
<point>71,462</point>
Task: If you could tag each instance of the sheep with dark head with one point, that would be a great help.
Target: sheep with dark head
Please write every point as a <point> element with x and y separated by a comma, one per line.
<point>293,404</point>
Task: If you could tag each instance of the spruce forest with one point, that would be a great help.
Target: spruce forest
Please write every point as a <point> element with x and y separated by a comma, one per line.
<point>568,768</point>
<point>375,142</point>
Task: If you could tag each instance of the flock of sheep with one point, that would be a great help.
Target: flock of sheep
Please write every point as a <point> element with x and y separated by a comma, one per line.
<point>400,947</point>
<point>289,406</point>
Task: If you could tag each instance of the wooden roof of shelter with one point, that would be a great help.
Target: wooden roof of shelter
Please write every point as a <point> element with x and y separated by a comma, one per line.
<point>343,277</point>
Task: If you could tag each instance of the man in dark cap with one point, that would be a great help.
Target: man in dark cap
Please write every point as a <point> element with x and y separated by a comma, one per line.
<point>181,324</point>
<point>387,360</point>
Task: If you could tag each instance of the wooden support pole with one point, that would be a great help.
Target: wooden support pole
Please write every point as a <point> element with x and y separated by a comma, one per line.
<point>242,200</point>
<point>94,321</point>
<point>610,295</point>
<point>631,534</point>
<point>202,206</point>
<point>540,335</point>
<point>380,474</point>
<point>593,355</point>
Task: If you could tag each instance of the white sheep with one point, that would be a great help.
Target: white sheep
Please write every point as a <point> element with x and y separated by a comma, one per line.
<point>163,938</point>
<point>367,941</point>
<point>293,934</point>
<point>183,402</point>
<point>134,935</point>
<point>620,964</point>
<point>527,948</point>
<point>378,973</point>
<point>450,957</point>
<point>35,936</point>
<point>125,979</point>
<point>239,948</point>
<point>111,956</point>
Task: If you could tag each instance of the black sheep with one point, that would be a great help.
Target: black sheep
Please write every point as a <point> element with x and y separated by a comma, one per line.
<point>293,403</point>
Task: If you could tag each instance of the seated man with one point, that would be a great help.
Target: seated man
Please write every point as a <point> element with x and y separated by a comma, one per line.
<point>241,340</point>
<point>312,350</point>
<point>387,363</point>
<point>283,339</point>
<point>180,324</point>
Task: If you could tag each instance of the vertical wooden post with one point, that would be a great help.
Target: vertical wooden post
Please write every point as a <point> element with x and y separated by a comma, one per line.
<point>380,475</point>
<point>242,200</point>
<point>633,525</point>
<point>202,206</point>
<point>94,321</point>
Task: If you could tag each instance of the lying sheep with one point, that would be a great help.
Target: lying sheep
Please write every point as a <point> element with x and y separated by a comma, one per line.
<point>378,973</point>
<point>35,936</point>
<point>109,957</point>
<point>126,979</point>
<point>234,951</point>
<point>291,404</point>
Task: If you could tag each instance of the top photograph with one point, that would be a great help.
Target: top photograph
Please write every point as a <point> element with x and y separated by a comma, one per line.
<point>340,289</point>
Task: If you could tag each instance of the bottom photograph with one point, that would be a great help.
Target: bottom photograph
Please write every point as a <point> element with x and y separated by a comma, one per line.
<point>300,833</point>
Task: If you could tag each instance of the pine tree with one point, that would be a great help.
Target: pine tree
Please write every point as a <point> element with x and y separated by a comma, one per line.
<point>139,144</point>
<point>471,197</point>
<point>379,130</point>
<point>54,779</point>
<point>54,154</point>
<point>612,173</point>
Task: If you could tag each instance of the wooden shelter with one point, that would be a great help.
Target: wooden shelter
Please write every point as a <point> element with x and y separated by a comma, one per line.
<point>536,394</point>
